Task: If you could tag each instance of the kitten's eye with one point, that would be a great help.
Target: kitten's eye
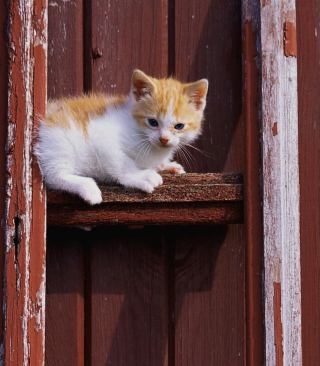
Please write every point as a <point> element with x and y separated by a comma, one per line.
<point>179,126</point>
<point>153,122</point>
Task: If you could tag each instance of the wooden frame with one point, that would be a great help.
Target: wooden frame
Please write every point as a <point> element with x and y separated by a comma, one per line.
<point>275,52</point>
<point>269,48</point>
<point>25,216</point>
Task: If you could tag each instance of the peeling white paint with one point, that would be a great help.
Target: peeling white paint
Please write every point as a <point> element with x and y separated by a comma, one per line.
<point>31,35</point>
<point>280,183</point>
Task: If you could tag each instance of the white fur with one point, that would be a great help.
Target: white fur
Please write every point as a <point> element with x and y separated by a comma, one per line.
<point>116,149</point>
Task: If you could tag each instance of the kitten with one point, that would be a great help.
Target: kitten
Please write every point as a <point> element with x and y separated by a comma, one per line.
<point>120,139</point>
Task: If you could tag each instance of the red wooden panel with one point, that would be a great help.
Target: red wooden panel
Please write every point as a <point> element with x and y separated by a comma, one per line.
<point>65,48</point>
<point>65,266</point>
<point>128,298</point>
<point>3,134</point>
<point>208,44</point>
<point>308,20</point>
<point>127,271</point>
<point>65,297</point>
<point>125,35</point>
<point>252,207</point>
<point>209,297</point>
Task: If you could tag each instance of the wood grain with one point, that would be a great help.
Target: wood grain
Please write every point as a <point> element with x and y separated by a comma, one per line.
<point>252,205</point>
<point>65,319</point>
<point>208,44</point>
<point>209,304</point>
<point>187,199</point>
<point>65,52</point>
<point>3,135</point>
<point>65,297</point>
<point>25,220</point>
<point>128,298</point>
<point>280,186</point>
<point>124,36</point>
<point>308,20</point>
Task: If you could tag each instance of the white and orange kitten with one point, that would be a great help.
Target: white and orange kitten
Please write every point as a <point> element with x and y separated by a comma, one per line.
<point>127,140</point>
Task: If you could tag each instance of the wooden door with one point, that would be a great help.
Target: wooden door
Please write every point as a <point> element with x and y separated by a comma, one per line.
<point>152,295</point>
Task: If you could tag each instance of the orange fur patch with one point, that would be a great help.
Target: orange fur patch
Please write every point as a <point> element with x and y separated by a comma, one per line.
<point>80,110</point>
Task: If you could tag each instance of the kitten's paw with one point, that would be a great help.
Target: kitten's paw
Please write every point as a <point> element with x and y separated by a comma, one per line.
<point>149,181</point>
<point>172,167</point>
<point>90,192</point>
<point>146,180</point>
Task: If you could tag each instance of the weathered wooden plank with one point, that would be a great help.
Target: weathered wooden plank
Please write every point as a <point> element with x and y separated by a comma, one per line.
<point>308,27</point>
<point>65,318</point>
<point>208,277</point>
<point>65,48</point>
<point>189,199</point>
<point>251,63</point>
<point>280,185</point>
<point>207,44</point>
<point>3,135</point>
<point>65,300</point>
<point>128,297</point>
<point>210,187</point>
<point>25,220</point>
<point>123,36</point>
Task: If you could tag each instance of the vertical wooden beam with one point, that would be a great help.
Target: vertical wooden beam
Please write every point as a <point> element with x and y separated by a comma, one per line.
<point>282,285</point>
<point>251,71</point>
<point>25,219</point>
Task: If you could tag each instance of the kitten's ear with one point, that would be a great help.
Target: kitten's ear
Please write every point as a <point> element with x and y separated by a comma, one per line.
<point>197,93</point>
<point>141,85</point>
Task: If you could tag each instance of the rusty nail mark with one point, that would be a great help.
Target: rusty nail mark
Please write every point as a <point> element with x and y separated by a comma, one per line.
<point>275,129</point>
<point>96,53</point>
<point>290,39</point>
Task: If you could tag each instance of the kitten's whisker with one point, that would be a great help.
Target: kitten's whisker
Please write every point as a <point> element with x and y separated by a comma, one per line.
<point>140,151</point>
<point>208,155</point>
<point>136,143</point>
<point>184,157</point>
<point>192,159</point>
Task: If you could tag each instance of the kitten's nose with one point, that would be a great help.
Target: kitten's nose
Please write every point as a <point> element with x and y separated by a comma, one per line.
<point>163,140</point>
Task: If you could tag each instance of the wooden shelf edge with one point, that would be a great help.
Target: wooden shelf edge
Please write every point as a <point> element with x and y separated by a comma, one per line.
<point>212,198</point>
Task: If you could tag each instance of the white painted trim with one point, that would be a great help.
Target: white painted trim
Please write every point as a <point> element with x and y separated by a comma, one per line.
<point>281,197</point>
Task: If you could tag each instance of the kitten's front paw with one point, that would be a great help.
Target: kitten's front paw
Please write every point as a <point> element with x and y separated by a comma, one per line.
<point>172,167</point>
<point>146,180</point>
<point>90,193</point>
<point>149,181</point>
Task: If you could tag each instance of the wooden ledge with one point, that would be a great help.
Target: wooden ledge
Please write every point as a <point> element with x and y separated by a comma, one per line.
<point>212,198</point>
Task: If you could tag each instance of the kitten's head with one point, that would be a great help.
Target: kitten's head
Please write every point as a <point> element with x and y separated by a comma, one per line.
<point>169,112</point>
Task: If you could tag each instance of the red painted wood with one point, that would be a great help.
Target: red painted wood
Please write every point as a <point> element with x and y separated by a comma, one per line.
<point>308,18</point>
<point>209,308</point>
<point>65,48</point>
<point>65,298</point>
<point>3,134</point>
<point>208,44</point>
<point>152,295</point>
<point>252,203</point>
<point>25,196</point>
<point>125,35</point>
<point>128,297</point>
<point>65,332</point>
<point>127,275</point>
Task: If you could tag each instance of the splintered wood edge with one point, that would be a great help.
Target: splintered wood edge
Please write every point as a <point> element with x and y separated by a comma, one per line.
<point>189,199</point>
<point>209,187</point>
